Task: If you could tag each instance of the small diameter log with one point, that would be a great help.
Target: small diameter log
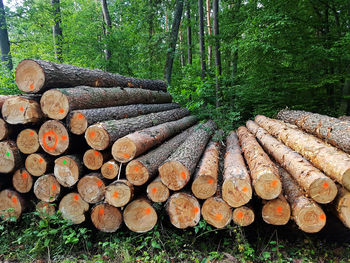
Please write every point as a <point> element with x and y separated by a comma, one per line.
<point>54,137</point>
<point>264,173</point>
<point>142,169</point>
<point>157,192</point>
<point>38,164</point>
<point>92,188</point>
<point>57,103</point>
<point>183,210</point>
<point>28,141</point>
<point>68,170</point>
<point>309,216</point>
<point>132,145</point>
<point>22,181</point>
<point>333,162</point>
<point>140,216</point>
<point>276,211</point>
<point>45,209</point>
<point>20,110</point>
<point>119,193</point>
<point>4,130</point>
<point>79,120</point>
<point>236,187</point>
<point>73,207</point>
<point>178,168</point>
<point>110,169</point>
<point>243,216</point>
<point>35,76</point>
<point>102,135</point>
<point>47,188</point>
<point>318,186</point>
<point>11,204</point>
<point>94,160</point>
<point>216,212</point>
<point>10,157</point>
<point>106,218</point>
<point>342,206</point>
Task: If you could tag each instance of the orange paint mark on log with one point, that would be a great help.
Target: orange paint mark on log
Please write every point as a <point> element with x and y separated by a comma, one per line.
<point>76,197</point>
<point>96,153</point>
<point>61,110</point>
<point>21,109</point>
<point>115,194</point>
<point>136,169</point>
<point>130,84</point>
<point>47,134</point>
<point>218,216</point>
<point>126,155</point>
<point>183,175</point>
<point>195,210</point>
<point>99,183</point>
<point>41,160</point>
<point>54,187</point>
<point>210,181</point>
<point>101,211</point>
<point>240,215</point>
<point>92,134</point>
<point>323,217</point>
<point>80,116</point>
<point>14,200</point>
<point>31,133</point>
<point>154,190</point>
<point>64,138</point>
<point>274,183</point>
<point>110,166</point>
<point>31,87</point>
<point>147,211</point>
<point>325,185</point>
<point>46,205</point>
<point>24,175</point>
<point>245,189</point>
<point>279,209</point>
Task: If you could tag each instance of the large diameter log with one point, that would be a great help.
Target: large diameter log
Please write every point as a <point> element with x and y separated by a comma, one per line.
<point>20,110</point>
<point>216,212</point>
<point>341,206</point>
<point>47,188</point>
<point>157,192</point>
<point>309,216</point>
<point>276,212</point>
<point>79,120</point>
<point>132,145</point>
<point>243,216</point>
<point>38,164</point>
<point>140,170</point>
<point>68,169</point>
<point>264,173</point>
<point>57,103</point>
<point>11,204</point>
<point>140,216</point>
<point>332,130</point>
<point>22,181</point>
<point>106,218</point>
<point>110,169</point>
<point>73,208</point>
<point>35,76</point>
<point>333,162</point>
<point>236,187</point>
<point>4,130</point>
<point>92,188</point>
<point>28,141</point>
<point>178,168</point>
<point>119,193</point>
<point>183,210</point>
<point>10,157</point>
<point>94,160</point>
<point>102,135</point>
<point>317,185</point>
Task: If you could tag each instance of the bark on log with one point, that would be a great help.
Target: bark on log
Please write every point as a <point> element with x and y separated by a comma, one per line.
<point>264,173</point>
<point>45,209</point>
<point>178,168</point>
<point>33,76</point>
<point>73,207</point>
<point>144,168</point>
<point>132,145</point>
<point>106,218</point>
<point>4,130</point>
<point>119,193</point>
<point>140,216</point>
<point>68,169</point>
<point>91,188</point>
<point>344,118</point>
<point>10,157</point>
<point>11,204</point>
<point>318,186</point>
<point>47,188</point>
<point>110,169</point>
<point>79,120</point>
<point>22,181</point>
<point>38,164</point>
<point>157,192</point>
<point>243,216</point>
<point>28,141</point>
<point>276,212</point>
<point>342,206</point>
<point>102,135</point>
<point>216,212</point>
<point>57,103</point>
<point>94,160</point>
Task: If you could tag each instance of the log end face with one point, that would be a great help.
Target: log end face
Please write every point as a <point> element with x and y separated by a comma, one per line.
<point>236,192</point>
<point>268,186</point>
<point>204,186</point>
<point>73,207</point>
<point>137,173</point>
<point>97,137</point>
<point>157,192</point>
<point>22,181</point>
<point>140,216</point>
<point>310,218</point>
<point>346,179</point>
<point>66,171</point>
<point>110,169</point>
<point>174,175</point>
<point>45,209</point>
<point>216,212</point>
<point>36,164</point>
<point>10,204</point>
<point>118,194</point>
<point>323,190</point>
<point>53,137</point>
<point>77,123</point>
<point>106,218</point>
<point>3,130</point>
<point>276,212</point>
<point>93,159</point>
<point>7,158</point>
<point>91,188</point>
<point>54,104</point>
<point>47,188</point>
<point>28,141</point>
<point>30,77</point>
<point>243,216</point>
<point>343,209</point>
<point>124,150</point>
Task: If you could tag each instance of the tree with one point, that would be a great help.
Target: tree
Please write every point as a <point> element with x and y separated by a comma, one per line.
<point>210,48</point>
<point>4,39</point>
<point>217,51</point>
<point>201,39</point>
<point>189,32</point>
<point>107,27</point>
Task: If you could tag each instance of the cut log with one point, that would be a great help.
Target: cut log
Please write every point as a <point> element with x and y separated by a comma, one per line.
<point>47,188</point>
<point>276,212</point>
<point>243,216</point>
<point>110,169</point>
<point>102,135</point>
<point>21,110</point>
<point>94,160</point>
<point>57,103</point>
<point>73,208</point>
<point>318,186</point>
<point>236,187</point>
<point>344,118</point>
<point>333,162</point>
<point>4,130</point>
<point>309,216</point>
<point>35,76</point>
<point>342,206</point>
<point>332,130</point>
<point>132,145</point>
<point>119,193</point>
<point>79,120</point>
<point>11,204</point>
<point>38,164</point>
<point>157,191</point>
<point>178,168</point>
<point>144,168</point>
<point>22,181</point>
<point>45,209</point>
<point>68,169</point>
<point>54,137</point>
<point>3,98</point>
<point>183,210</point>
<point>10,157</point>
<point>216,212</point>
<point>28,141</point>
<point>92,188</point>
<point>106,218</point>
<point>264,173</point>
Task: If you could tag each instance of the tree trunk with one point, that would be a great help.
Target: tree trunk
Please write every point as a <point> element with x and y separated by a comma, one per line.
<point>28,141</point>
<point>107,27</point>
<point>106,218</point>
<point>176,171</point>
<point>68,169</point>
<point>243,216</point>
<point>217,51</point>
<point>189,32</point>
<point>263,171</point>
<point>10,157</point>
<point>22,181</point>
<point>342,206</point>
<point>47,188</point>
<point>4,39</point>
<point>276,212</point>
<point>134,144</point>
<point>102,135</point>
<point>144,168</point>
<point>150,37</point>
<point>157,192</point>
<point>94,160</point>
<point>181,47</point>
<point>236,187</point>
<point>110,169</point>
<point>201,39</point>
<point>5,130</point>
<point>11,204</point>
<point>39,75</point>
<point>57,30</point>
<point>91,188</point>
<point>38,164</point>
<point>73,207</point>
<point>318,186</point>
<point>216,212</point>
<point>119,193</point>
<point>210,48</point>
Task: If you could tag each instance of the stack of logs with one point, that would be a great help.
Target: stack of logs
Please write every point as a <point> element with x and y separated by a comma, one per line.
<point>93,142</point>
